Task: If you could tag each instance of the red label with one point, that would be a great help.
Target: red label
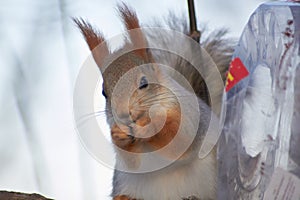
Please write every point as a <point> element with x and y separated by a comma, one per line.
<point>237,71</point>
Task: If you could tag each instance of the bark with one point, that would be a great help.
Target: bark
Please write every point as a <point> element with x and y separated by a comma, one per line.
<point>5,195</point>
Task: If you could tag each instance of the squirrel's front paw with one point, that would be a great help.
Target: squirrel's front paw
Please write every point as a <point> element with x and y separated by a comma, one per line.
<point>121,137</point>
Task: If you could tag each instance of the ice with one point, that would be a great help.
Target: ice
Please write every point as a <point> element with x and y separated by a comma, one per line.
<point>262,129</point>
<point>259,93</point>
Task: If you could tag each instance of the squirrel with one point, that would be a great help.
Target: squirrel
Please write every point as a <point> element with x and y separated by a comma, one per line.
<point>151,95</point>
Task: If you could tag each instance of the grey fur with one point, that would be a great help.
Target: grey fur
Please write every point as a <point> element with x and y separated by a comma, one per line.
<point>215,43</point>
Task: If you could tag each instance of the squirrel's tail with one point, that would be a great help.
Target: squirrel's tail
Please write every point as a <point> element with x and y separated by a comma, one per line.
<point>220,49</point>
<point>216,44</point>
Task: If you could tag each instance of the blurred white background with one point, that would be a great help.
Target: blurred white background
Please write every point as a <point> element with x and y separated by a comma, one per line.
<point>41,52</point>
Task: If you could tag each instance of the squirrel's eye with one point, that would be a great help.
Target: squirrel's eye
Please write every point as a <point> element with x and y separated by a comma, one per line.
<point>143,83</point>
<point>104,94</point>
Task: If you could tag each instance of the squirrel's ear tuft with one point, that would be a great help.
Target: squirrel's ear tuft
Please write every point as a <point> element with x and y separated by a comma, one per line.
<point>128,16</point>
<point>93,38</point>
<point>136,35</point>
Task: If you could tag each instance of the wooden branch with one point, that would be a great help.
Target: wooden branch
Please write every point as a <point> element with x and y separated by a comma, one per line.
<point>20,196</point>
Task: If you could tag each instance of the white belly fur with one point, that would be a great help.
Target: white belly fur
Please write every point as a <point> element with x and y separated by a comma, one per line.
<point>196,178</point>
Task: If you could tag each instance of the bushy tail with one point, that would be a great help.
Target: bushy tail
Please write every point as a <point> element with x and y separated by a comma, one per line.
<point>216,44</point>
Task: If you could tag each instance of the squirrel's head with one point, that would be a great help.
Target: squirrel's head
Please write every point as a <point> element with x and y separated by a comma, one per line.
<point>131,81</point>
<point>123,60</point>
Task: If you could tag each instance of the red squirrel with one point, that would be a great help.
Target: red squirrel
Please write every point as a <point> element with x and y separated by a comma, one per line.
<point>187,176</point>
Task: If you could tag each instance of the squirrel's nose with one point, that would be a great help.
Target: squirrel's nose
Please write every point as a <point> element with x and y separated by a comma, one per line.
<point>132,117</point>
<point>135,115</point>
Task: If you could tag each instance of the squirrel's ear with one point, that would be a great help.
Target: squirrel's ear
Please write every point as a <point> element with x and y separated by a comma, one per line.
<point>93,38</point>
<point>131,22</point>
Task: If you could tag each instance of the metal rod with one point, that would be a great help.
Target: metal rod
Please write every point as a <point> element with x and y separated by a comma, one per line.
<point>194,33</point>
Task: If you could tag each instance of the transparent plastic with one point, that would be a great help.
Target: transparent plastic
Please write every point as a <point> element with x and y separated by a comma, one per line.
<point>262,118</point>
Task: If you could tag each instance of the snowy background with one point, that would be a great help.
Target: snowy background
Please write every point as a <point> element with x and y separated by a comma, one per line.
<point>41,52</point>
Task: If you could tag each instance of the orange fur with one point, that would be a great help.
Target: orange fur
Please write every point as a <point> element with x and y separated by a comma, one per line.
<point>122,197</point>
<point>122,139</point>
<point>168,132</point>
